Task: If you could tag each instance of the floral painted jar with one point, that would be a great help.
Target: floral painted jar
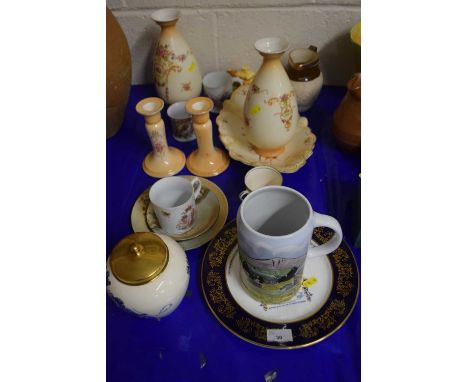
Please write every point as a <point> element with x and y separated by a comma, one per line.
<point>270,109</point>
<point>305,75</point>
<point>175,69</point>
<point>147,274</point>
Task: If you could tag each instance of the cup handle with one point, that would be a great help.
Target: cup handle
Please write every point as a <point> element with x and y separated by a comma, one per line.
<point>196,185</point>
<point>237,80</point>
<point>243,194</point>
<point>333,243</point>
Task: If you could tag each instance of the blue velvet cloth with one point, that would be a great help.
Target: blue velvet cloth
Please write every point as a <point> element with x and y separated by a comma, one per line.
<point>141,349</point>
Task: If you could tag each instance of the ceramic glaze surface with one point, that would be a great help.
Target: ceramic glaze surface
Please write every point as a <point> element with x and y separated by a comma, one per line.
<point>162,295</point>
<point>315,289</point>
<point>173,201</point>
<point>233,133</point>
<point>181,122</point>
<point>274,227</point>
<point>270,109</point>
<point>176,72</point>
<point>307,92</point>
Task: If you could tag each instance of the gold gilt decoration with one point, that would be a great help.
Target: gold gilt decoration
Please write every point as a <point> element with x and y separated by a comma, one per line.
<point>286,109</point>
<point>344,285</point>
<point>308,331</point>
<point>224,307</point>
<point>221,246</point>
<point>145,201</point>
<point>324,236</point>
<point>328,319</point>
<point>168,62</point>
<point>247,326</point>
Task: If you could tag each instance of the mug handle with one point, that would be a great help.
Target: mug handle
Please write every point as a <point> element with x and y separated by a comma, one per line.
<point>243,194</point>
<point>330,245</point>
<point>236,80</point>
<point>196,185</point>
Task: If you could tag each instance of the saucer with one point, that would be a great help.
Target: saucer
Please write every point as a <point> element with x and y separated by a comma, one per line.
<point>207,210</point>
<point>322,305</point>
<point>232,132</point>
<point>139,223</point>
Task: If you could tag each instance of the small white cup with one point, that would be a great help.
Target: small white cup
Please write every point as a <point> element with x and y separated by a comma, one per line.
<point>173,201</point>
<point>259,177</point>
<point>181,122</point>
<point>218,87</point>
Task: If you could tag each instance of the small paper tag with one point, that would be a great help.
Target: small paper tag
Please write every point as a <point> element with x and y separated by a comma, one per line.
<point>279,335</point>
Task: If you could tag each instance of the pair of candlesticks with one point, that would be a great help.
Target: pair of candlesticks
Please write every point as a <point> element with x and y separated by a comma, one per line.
<point>206,161</point>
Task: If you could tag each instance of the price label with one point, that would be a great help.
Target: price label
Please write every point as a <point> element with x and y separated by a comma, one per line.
<point>279,335</point>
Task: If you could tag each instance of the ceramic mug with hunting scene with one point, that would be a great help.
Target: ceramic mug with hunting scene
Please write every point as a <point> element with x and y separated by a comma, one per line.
<point>274,228</point>
<point>173,201</point>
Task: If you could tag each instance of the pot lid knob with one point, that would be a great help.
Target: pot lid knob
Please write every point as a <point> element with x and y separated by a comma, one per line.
<point>139,258</point>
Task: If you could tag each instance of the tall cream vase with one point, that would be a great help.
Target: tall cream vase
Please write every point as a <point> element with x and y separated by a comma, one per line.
<point>176,72</point>
<point>270,109</point>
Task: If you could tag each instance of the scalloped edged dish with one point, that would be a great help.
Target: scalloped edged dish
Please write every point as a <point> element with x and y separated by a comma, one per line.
<point>232,132</point>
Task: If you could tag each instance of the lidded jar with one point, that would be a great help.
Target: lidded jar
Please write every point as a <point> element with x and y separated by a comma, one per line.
<point>147,274</point>
<point>270,109</point>
<point>305,75</point>
<point>175,69</point>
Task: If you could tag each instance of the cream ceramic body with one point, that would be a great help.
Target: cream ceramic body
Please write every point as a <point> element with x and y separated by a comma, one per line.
<point>274,228</point>
<point>307,92</point>
<point>173,200</point>
<point>162,295</point>
<point>176,72</point>
<point>270,109</point>
<point>218,87</point>
<point>181,122</point>
<point>233,134</point>
<point>259,177</point>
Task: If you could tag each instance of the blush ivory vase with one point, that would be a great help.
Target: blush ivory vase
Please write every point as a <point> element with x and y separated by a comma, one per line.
<point>175,69</point>
<point>270,109</point>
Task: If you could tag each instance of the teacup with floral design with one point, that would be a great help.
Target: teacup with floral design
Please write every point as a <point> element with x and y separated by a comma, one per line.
<point>173,201</point>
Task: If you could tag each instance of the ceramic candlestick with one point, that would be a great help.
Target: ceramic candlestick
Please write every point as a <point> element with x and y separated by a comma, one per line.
<point>163,160</point>
<point>207,160</point>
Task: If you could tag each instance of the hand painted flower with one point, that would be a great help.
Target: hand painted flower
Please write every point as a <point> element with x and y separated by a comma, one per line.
<point>186,86</point>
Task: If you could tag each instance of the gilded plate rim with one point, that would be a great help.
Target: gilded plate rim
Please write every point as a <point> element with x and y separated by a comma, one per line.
<point>226,246</point>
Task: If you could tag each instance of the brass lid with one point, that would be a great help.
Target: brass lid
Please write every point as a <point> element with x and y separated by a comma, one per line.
<point>139,258</point>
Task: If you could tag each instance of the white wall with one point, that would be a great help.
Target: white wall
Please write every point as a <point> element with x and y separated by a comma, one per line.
<point>221,33</point>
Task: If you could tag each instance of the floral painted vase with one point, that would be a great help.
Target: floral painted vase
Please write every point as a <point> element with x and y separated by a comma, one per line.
<point>175,69</point>
<point>270,109</point>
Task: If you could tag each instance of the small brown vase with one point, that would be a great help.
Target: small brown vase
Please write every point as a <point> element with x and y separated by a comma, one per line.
<point>118,74</point>
<point>207,160</point>
<point>347,118</point>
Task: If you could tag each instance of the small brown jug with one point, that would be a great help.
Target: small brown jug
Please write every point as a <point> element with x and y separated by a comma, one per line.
<point>347,118</point>
<point>305,76</point>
